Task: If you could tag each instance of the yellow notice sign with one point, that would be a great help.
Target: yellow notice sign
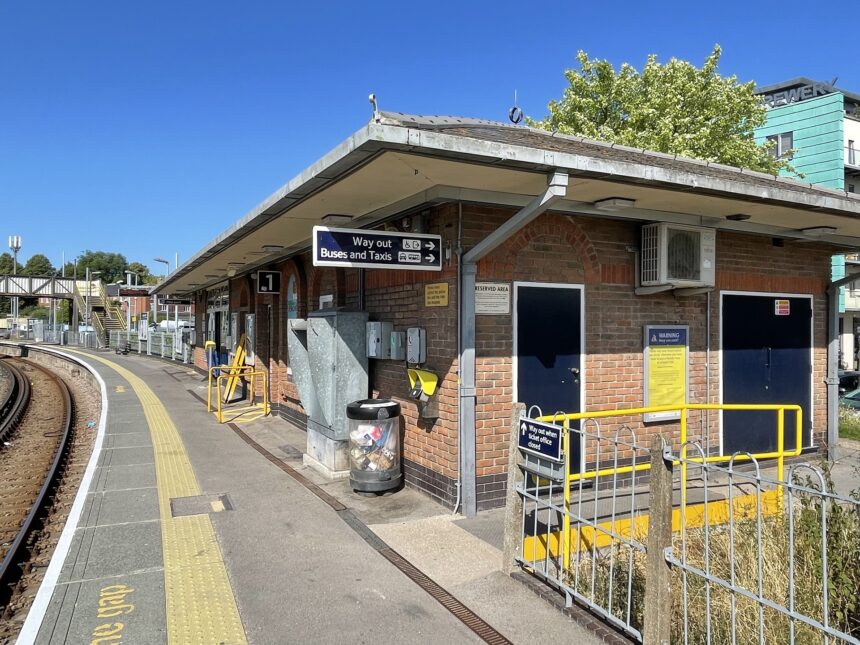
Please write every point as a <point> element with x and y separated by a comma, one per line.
<point>436,294</point>
<point>665,369</point>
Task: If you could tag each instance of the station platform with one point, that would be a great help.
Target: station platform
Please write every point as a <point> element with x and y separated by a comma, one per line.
<point>192,531</point>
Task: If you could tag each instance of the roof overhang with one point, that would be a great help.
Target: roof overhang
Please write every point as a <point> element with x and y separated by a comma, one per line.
<point>387,169</point>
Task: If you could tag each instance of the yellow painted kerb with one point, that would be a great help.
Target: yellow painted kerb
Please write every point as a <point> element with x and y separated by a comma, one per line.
<point>200,606</point>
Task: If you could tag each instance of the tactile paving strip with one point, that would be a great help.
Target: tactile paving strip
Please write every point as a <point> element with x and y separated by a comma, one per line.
<point>201,607</point>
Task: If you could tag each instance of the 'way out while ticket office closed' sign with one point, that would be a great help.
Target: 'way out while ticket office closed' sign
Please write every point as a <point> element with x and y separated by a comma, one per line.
<point>666,368</point>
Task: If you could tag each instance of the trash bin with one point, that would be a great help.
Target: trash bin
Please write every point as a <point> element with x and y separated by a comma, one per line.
<point>374,445</point>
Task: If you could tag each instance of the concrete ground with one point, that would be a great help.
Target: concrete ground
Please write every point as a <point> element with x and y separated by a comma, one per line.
<point>299,573</point>
<point>462,555</point>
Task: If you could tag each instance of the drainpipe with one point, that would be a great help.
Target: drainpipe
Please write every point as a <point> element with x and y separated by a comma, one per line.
<point>556,190</point>
<point>832,379</point>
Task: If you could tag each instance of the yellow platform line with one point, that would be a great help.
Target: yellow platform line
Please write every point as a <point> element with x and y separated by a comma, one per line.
<point>201,607</point>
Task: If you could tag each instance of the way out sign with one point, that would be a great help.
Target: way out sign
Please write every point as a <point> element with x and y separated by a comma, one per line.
<point>540,439</point>
<point>343,247</point>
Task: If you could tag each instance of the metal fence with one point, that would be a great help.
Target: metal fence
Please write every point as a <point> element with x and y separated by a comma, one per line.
<point>750,552</point>
<point>163,344</point>
<point>775,560</point>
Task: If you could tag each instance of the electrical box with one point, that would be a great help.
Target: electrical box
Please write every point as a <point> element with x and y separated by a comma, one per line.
<point>416,345</point>
<point>379,339</point>
<point>398,345</point>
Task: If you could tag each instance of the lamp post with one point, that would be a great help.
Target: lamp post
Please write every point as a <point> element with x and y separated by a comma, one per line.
<point>14,246</point>
<point>166,264</point>
<point>90,275</point>
<point>128,302</point>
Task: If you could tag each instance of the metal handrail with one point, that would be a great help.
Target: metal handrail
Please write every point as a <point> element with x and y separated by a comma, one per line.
<point>110,306</point>
<point>779,454</point>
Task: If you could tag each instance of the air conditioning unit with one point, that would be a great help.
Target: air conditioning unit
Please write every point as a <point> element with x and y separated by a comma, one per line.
<point>677,255</point>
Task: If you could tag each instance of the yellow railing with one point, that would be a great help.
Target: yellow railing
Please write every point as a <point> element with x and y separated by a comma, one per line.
<point>111,307</point>
<point>237,372</point>
<point>779,454</point>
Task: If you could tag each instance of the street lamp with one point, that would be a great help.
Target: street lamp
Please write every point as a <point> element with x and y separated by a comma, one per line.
<point>155,297</point>
<point>128,302</point>
<point>14,246</point>
<point>90,275</point>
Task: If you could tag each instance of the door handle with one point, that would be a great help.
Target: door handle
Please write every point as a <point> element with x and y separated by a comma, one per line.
<point>575,372</point>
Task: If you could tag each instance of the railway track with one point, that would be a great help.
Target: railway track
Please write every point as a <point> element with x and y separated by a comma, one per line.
<point>35,427</point>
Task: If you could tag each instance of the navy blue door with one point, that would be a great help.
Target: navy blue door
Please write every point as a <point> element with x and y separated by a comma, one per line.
<point>549,349</point>
<point>766,359</point>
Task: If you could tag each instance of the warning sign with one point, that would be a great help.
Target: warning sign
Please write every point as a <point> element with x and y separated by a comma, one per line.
<point>782,307</point>
<point>666,373</point>
<point>436,294</point>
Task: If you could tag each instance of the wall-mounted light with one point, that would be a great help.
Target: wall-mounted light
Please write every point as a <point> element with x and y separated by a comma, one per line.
<point>738,217</point>
<point>613,204</point>
<point>231,272</point>
<point>272,248</point>
<point>818,231</point>
<point>333,219</point>
<point>212,275</point>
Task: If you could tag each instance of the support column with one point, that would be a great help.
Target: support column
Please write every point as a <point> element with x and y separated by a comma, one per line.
<point>468,476</point>
<point>832,379</point>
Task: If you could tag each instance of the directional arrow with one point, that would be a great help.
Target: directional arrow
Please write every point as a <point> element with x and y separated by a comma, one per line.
<point>523,428</point>
<point>430,258</point>
<point>431,245</point>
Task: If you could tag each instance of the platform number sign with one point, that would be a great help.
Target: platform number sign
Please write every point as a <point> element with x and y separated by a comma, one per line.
<point>268,282</point>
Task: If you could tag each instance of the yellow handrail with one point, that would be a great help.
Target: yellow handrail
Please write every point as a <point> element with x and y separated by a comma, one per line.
<point>242,371</point>
<point>780,454</point>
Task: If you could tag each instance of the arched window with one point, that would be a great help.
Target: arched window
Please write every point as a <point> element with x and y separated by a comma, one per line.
<point>292,298</point>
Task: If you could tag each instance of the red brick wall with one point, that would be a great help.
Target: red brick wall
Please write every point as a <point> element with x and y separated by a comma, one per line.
<point>554,248</point>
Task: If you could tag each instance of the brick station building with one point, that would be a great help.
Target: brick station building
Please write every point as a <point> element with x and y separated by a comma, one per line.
<point>553,267</point>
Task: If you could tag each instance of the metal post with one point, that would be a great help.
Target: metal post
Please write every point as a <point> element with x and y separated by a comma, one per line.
<point>468,476</point>
<point>175,330</point>
<point>657,629</point>
<point>513,502</point>
<point>87,306</point>
<point>832,379</point>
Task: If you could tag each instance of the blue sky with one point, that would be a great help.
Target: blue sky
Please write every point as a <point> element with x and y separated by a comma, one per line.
<point>148,128</point>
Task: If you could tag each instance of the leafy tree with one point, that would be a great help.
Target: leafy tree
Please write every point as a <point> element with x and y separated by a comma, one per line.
<point>675,108</point>
<point>38,265</point>
<point>111,265</point>
<point>142,271</point>
<point>6,263</point>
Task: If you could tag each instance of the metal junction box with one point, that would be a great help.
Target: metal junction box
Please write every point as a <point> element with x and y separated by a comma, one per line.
<point>416,345</point>
<point>379,339</point>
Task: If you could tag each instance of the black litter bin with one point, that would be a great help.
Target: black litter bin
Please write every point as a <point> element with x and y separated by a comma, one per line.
<point>374,445</point>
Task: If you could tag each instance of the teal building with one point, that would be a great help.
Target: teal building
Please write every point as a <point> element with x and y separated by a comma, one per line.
<point>820,124</point>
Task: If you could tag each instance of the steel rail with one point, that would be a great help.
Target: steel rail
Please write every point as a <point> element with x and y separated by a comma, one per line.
<point>13,408</point>
<point>10,572</point>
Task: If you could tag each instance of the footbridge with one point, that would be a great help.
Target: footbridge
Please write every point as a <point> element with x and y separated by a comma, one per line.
<point>26,286</point>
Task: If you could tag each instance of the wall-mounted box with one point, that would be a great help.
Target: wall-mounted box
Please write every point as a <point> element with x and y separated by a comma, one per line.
<point>379,339</point>
<point>416,345</point>
<point>398,345</point>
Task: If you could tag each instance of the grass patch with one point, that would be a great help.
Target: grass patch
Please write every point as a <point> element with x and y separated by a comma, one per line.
<point>712,614</point>
<point>849,423</point>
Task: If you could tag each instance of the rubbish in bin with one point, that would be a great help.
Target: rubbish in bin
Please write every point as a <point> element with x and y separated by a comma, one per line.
<point>374,445</point>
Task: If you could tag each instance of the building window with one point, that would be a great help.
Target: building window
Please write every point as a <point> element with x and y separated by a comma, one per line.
<point>850,188</point>
<point>851,159</point>
<point>782,143</point>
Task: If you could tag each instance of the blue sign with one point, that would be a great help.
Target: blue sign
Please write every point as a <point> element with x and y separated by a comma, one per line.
<point>342,247</point>
<point>541,439</point>
<point>666,336</point>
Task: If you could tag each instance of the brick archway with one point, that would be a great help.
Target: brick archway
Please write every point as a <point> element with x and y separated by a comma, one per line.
<point>552,229</point>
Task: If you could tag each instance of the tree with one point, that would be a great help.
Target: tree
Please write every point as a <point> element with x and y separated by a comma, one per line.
<point>111,265</point>
<point>674,108</point>
<point>38,265</point>
<point>142,271</point>
<point>6,263</point>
